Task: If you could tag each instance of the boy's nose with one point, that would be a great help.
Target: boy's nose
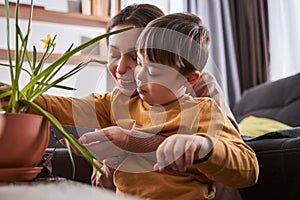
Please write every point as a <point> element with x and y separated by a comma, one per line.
<point>140,75</point>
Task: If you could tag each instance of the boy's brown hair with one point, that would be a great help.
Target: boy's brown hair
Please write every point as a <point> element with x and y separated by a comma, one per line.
<point>178,40</point>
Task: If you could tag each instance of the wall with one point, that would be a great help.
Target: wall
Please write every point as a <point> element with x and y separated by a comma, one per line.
<point>167,6</point>
<point>92,79</point>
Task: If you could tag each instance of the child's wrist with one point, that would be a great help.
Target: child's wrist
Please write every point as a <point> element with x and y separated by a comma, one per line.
<point>139,142</point>
<point>206,148</point>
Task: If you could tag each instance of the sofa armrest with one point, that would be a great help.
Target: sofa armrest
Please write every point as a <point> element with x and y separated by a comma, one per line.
<point>62,166</point>
<point>279,174</point>
<point>61,162</point>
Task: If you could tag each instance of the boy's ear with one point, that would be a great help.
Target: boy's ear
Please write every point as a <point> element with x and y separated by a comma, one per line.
<point>193,77</point>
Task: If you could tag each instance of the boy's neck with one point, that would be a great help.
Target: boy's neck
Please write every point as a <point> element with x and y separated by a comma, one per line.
<point>168,103</point>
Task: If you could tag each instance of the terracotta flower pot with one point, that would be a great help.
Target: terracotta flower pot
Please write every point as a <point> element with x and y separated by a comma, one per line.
<point>23,140</point>
<point>1,122</point>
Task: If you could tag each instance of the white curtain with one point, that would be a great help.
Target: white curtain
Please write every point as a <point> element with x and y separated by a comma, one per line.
<point>222,62</point>
<point>284,30</point>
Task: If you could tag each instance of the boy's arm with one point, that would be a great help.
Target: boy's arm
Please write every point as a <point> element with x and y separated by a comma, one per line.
<point>216,150</point>
<point>230,161</point>
<point>121,140</point>
<point>139,142</point>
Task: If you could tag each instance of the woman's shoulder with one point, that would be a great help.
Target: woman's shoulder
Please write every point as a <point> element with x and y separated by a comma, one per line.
<point>190,99</point>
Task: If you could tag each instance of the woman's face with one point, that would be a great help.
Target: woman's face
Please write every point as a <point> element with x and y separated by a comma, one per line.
<point>122,58</point>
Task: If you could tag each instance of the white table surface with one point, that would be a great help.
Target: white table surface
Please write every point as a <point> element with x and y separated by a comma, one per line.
<point>54,190</point>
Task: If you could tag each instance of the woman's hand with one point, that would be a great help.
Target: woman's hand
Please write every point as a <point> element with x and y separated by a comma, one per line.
<point>179,151</point>
<point>106,181</point>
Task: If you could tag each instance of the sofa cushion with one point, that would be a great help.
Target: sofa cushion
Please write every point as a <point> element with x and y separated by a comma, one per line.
<point>278,100</point>
<point>256,126</point>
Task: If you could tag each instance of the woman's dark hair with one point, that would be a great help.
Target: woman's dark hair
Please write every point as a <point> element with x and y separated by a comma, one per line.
<point>138,15</point>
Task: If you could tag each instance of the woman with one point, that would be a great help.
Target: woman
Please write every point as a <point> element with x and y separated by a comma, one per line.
<point>121,61</point>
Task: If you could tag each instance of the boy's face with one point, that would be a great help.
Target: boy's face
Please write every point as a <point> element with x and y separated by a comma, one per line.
<point>158,83</point>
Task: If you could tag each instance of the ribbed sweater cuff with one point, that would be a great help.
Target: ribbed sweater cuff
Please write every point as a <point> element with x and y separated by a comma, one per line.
<point>144,144</point>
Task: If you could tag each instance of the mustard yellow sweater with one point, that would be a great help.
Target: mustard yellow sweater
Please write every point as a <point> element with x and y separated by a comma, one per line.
<point>230,162</point>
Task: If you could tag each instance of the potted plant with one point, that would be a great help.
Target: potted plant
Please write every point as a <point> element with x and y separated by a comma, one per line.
<point>33,140</point>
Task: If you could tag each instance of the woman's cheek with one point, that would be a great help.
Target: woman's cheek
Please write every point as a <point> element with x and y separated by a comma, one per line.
<point>112,67</point>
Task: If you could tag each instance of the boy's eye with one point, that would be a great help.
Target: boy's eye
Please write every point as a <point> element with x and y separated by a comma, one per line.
<point>153,71</point>
<point>133,57</point>
<point>153,75</point>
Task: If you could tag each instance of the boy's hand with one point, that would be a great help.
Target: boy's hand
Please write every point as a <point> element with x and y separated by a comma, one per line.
<point>179,151</point>
<point>113,138</point>
<point>73,149</point>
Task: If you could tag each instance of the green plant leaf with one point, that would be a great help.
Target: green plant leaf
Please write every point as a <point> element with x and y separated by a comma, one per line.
<point>66,56</point>
<point>60,86</point>
<point>4,93</point>
<point>71,158</point>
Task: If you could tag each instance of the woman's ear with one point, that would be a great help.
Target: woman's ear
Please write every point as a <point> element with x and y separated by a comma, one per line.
<point>193,77</point>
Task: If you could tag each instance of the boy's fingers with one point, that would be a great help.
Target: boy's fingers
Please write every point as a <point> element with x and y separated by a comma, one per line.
<point>113,162</point>
<point>73,149</point>
<point>160,157</point>
<point>95,147</point>
<point>93,137</point>
<point>97,162</point>
<point>159,167</point>
<point>156,167</point>
<point>179,150</point>
<point>62,141</point>
<point>189,154</point>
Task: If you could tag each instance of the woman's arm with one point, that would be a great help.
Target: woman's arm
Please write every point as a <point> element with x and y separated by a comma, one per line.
<point>90,111</point>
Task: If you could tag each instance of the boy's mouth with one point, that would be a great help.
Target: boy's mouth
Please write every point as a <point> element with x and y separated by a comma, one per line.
<point>141,91</point>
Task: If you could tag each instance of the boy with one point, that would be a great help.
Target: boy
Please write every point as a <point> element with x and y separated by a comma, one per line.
<point>170,50</point>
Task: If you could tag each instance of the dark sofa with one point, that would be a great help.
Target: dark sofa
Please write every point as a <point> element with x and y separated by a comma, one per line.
<point>278,152</point>
<point>61,162</point>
